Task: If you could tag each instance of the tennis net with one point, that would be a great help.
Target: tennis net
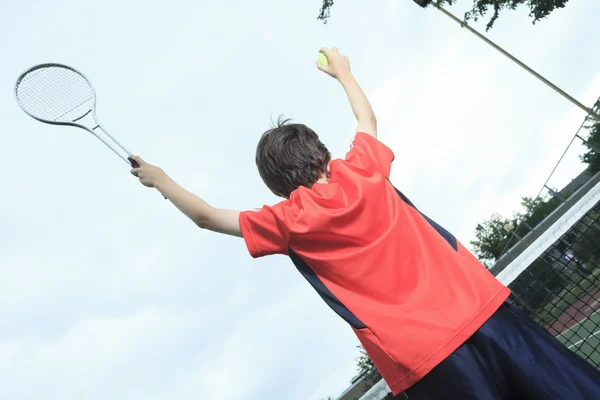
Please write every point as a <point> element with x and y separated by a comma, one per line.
<point>556,278</point>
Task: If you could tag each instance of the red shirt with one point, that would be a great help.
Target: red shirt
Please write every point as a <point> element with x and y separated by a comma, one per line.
<point>410,291</point>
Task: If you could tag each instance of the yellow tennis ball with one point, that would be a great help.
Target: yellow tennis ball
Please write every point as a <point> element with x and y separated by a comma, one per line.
<point>323,59</point>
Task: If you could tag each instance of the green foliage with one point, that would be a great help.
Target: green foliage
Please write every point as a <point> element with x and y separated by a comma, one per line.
<point>590,157</point>
<point>366,367</point>
<point>539,9</point>
<point>325,11</point>
<point>538,209</point>
<point>493,235</point>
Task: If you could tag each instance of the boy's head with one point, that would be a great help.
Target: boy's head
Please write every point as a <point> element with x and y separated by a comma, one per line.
<point>290,155</point>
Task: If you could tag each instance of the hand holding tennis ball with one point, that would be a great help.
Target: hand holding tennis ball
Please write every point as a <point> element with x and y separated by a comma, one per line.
<point>333,63</point>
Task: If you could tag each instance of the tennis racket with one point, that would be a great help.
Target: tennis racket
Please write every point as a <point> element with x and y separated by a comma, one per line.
<point>61,95</point>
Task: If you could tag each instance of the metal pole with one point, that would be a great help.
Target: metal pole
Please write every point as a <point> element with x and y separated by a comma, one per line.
<point>463,24</point>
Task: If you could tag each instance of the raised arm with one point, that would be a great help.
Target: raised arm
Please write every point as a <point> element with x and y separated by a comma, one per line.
<point>339,68</point>
<point>196,209</point>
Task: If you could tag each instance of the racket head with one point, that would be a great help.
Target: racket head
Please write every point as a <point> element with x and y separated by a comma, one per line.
<point>55,94</point>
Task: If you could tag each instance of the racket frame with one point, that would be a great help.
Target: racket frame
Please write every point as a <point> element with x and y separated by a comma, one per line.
<point>75,123</point>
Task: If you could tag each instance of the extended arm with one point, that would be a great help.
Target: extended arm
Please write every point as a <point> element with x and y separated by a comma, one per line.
<point>339,68</point>
<point>365,117</point>
<point>196,209</point>
<point>199,211</point>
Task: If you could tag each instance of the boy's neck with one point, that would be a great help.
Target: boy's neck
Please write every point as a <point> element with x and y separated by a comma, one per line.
<point>323,178</point>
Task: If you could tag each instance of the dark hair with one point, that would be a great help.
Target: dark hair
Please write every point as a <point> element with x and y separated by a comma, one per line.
<point>290,155</point>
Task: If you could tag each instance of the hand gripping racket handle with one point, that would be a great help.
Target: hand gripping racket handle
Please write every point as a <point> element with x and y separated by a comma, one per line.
<point>136,165</point>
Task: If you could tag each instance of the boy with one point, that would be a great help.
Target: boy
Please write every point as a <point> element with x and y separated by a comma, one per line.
<point>434,321</point>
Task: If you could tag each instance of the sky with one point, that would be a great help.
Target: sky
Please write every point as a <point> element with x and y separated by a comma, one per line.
<point>106,291</point>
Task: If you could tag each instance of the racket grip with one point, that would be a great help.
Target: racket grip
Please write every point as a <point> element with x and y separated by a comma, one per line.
<point>133,163</point>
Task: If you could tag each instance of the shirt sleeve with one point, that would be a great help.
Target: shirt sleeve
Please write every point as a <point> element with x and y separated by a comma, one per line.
<point>266,230</point>
<point>368,153</point>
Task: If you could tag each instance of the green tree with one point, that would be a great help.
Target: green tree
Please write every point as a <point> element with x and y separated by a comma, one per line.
<point>498,233</point>
<point>539,9</point>
<point>538,209</point>
<point>492,236</point>
<point>366,368</point>
<point>591,157</point>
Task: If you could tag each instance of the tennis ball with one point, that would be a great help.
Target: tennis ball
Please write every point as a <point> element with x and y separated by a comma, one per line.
<point>323,59</point>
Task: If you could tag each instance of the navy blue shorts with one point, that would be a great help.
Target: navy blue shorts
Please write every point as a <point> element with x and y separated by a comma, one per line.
<point>509,357</point>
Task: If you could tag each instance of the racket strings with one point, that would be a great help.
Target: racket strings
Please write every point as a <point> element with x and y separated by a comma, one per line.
<point>55,93</point>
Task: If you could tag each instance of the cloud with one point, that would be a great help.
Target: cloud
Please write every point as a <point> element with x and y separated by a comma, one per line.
<point>72,364</point>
